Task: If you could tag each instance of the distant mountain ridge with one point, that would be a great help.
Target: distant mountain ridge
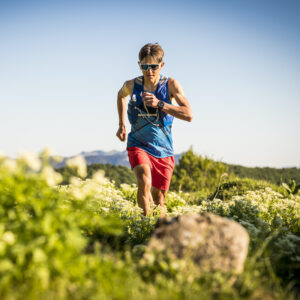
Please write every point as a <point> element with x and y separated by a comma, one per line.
<point>113,157</point>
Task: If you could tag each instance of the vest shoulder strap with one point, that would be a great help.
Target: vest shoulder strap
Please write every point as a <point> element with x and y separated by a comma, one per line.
<point>163,80</point>
<point>139,80</point>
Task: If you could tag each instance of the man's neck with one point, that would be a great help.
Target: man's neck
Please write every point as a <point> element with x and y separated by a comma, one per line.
<point>150,85</point>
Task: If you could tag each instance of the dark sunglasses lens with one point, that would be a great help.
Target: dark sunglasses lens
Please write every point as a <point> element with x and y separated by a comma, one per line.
<point>154,67</point>
<point>145,67</point>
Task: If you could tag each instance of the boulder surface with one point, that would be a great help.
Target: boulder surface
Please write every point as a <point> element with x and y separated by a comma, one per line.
<point>212,242</point>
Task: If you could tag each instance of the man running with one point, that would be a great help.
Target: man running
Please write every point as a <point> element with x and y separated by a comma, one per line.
<point>151,111</point>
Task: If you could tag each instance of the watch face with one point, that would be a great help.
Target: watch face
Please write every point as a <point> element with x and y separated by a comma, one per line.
<point>161,104</point>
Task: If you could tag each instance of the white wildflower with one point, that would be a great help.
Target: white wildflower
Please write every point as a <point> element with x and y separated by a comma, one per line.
<point>46,152</point>
<point>57,158</point>
<point>10,165</point>
<point>75,181</point>
<point>52,178</point>
<point>9,237</point>
<point>78,162</point>
<point>99,177</point>
<point>30,159</point>
<point>2,155</point>
<point>78,193</point>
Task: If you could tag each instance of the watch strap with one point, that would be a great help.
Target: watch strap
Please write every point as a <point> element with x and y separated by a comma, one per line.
<point>161,104</point>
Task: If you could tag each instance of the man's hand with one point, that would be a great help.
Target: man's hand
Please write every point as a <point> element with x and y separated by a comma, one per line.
<point>121,133</point>
<point>122,102</point>
<point>150,99</point>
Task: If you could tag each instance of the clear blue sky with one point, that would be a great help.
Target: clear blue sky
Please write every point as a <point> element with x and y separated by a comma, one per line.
<point>63,62</point>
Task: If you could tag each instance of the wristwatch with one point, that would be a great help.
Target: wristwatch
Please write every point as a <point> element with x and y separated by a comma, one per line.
<point>160,104</point>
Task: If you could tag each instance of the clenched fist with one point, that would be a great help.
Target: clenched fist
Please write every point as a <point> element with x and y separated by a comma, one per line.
<point>150,99</point>
<point>121,133</point>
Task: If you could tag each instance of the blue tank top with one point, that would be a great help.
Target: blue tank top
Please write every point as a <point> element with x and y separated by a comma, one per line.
<point>150,127</point>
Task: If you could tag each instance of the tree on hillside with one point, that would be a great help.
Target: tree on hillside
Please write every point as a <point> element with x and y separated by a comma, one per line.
<point>195,173</point>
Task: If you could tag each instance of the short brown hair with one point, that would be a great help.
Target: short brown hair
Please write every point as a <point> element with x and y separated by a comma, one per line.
<point>154,50</point>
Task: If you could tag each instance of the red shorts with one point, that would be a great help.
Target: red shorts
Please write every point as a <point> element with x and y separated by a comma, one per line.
<point>161,168</point>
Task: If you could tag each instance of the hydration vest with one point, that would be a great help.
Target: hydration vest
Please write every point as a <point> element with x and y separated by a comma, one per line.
<point>135,105</point>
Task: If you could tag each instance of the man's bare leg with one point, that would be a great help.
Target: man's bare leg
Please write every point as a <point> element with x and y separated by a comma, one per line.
<point>143,175</point>
<point>159,198</point>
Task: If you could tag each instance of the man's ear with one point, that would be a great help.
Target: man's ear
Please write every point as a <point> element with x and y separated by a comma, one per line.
<point>162,64</point>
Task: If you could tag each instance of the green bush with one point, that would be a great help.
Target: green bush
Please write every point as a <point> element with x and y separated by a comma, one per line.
<point>43,230</point>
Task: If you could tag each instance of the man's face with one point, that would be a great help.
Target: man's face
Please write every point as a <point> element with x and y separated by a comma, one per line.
<point>150,73</point>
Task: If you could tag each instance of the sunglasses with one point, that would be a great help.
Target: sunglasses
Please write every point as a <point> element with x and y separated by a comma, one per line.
<point>145,67</point>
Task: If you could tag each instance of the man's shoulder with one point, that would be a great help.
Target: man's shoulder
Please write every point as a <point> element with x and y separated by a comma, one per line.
<point>174,84</point>
<point>128,85</point>
<point>172,81</point>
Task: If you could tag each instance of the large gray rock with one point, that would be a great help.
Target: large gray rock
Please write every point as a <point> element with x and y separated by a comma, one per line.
<point>214,243</point>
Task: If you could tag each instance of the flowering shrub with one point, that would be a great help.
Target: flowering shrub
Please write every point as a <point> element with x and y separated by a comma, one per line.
<point>265,214</point>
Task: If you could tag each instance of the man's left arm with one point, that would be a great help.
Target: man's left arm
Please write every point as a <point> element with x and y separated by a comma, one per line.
<point>183,111</point>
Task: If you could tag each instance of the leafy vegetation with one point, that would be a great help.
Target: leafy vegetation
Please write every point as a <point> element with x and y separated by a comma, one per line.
<point>204,178</point>
<point>194,173</point>
<point>291,187</point>
<point>273,175</point>
<point>86,239</point>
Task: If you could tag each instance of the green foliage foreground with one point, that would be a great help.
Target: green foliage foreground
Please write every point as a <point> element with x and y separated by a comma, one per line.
<point>85,240</point>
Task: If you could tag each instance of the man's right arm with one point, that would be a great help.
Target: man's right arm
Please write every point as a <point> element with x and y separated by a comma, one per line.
<point>122,103</point>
